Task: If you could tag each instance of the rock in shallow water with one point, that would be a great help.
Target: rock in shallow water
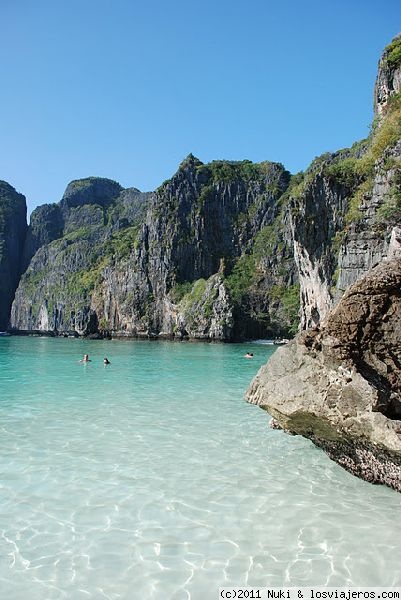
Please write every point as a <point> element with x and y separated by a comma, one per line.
<point>340,385</point>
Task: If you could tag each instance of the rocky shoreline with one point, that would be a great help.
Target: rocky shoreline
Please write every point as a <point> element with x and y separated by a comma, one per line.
<point>340,384</point>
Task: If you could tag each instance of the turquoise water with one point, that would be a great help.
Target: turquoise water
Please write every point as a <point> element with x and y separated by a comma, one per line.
<point>152,478</point>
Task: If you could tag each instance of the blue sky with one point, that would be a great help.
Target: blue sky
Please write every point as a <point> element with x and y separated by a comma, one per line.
<point>126,89</point>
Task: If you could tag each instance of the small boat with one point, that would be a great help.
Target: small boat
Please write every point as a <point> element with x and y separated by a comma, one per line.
<point>4,333</point>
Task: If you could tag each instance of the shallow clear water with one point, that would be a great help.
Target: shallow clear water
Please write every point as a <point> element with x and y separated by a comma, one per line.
<point>152,478</point>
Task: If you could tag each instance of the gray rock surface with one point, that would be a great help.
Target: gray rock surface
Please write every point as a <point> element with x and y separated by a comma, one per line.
<point>159,264</point>
<point>46,225</point>
<point>388,81</point>
<point>339,384</point>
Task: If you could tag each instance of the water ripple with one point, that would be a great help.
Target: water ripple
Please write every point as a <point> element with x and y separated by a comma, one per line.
<point>155,475</point>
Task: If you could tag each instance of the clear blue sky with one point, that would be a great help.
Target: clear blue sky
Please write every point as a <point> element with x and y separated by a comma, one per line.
<point>126,89</point>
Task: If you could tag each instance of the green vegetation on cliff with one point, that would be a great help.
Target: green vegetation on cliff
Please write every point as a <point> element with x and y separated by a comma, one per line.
<point>392,53</point>
<point>179,290</point>
<point>289,297</point>
<point>122,243</point>
<point>197,304</point>
<point>227,171</point>
<point>391,207</point>
<point>354,168</point>
<point>241,277</point>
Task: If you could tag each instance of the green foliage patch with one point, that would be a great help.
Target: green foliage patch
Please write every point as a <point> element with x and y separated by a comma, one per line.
<point>195,294</point>
<point>344,171</point>
<point>197,303</point>
<point>393,53</point>
<point>289,297</point>
<point>79,234</point>
<point>82,283</point>
<point>227,171</point>
<point>241,277</point>
<point>265,241</point>
<point>391,208</point>
<point>206,194</point>
<point>179,290</point>
<point>123,242</point>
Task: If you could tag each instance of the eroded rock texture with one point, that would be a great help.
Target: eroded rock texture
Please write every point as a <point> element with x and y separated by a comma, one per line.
<point>339,384</point>
<point>186,261</point>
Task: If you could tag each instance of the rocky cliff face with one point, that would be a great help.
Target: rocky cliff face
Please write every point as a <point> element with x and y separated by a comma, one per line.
<point>345,208</point>
<point>12,237</point>
<point>64,249</point>
<point>341,223</point>
<point>388,82</point>
<point>188,260</point>
<point>108,259</point>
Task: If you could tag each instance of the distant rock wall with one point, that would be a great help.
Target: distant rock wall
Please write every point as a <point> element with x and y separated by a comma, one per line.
<point>12,238</point>
<point>197,226</point>
<point>161,264</point>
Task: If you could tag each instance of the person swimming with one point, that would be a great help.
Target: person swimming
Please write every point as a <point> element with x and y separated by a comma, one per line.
<point>106,361</point>
<point>85,358</point>
<point>248,355</point>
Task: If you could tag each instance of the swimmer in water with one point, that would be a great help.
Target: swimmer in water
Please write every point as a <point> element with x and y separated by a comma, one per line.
<point>106,361</point>
<point>248,355</point>
<point>85,358</point>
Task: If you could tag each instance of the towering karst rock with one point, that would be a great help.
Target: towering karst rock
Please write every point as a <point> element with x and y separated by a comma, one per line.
<point>207,255</point>
<point>220,251</point>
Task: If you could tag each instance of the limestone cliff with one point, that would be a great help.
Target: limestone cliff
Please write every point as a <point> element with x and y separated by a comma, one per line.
<point>12,237</point>
<point>344,209</point>
<point>64,247</point>
<point>283,248</point>
<point>188,260</point>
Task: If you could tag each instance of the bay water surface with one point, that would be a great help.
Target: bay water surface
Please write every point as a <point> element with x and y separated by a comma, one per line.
<point>153,478</point>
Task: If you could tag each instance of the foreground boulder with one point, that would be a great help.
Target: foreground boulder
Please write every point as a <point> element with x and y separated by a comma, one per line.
<point>340,385</point>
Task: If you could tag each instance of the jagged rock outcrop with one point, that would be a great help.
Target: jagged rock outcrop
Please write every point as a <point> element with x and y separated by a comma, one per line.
<point>317,215</point>
<point>339,384</point>
<point>12,237</point>
<point>205,313</point>
<point>388,81</point>
<point>365,242</point>
<point>341,223</point>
